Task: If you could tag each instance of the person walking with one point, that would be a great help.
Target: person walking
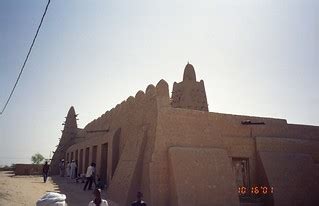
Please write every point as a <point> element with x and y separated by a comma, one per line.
<point>98,201</point>
<point>45,171</point>
<point>89,176</point>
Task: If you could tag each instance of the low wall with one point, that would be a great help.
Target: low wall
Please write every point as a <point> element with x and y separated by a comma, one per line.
<point>28,169</point>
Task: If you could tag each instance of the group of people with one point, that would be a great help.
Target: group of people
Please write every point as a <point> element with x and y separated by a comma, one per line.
<point>71,170</point>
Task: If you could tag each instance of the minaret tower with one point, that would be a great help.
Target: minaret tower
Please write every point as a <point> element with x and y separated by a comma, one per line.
<point>189,94</point>
<point>68,136</point>
<point>70,127</point>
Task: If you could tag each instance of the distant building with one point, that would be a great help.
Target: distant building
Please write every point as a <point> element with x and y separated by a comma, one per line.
<point>177,153</point>
<point>28,169</point>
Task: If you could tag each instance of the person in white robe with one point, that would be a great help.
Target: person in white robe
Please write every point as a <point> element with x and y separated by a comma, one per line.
<point>73,168</point>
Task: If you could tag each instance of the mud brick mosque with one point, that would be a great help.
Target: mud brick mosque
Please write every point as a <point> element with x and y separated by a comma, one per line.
<point>178,153</point>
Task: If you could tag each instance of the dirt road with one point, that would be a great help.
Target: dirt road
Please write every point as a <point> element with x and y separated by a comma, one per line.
<point>26,190</point>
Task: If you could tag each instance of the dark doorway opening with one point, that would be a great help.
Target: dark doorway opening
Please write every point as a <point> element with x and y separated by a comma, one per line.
<point>241,170</point>
<point>94,153</point>
<point>86,160</point>
<point>104,156</point>
<point>67,157</point>
<point>76,156</point>
<point>116,150</point>
<point>81,162</point>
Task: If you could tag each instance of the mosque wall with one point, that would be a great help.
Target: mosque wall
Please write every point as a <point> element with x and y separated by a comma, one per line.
<point>147,141</point>
<point>184,128</point>
<point>130,125</point>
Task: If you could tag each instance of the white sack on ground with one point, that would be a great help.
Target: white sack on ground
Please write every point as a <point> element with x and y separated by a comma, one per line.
<point>52,199</point>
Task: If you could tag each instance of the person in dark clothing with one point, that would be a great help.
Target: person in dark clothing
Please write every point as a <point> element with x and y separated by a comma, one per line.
<point>45,171</point>
<point>100,184</point>
<point>139,201</point>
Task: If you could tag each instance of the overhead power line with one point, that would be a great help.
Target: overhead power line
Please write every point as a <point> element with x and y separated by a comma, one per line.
<point>26,59</point>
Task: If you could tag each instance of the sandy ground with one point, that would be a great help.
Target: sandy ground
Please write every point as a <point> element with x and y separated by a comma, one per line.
<point>26,190</point>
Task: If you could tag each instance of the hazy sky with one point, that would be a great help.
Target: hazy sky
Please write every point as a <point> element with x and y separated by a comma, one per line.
<point>256,58</point>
